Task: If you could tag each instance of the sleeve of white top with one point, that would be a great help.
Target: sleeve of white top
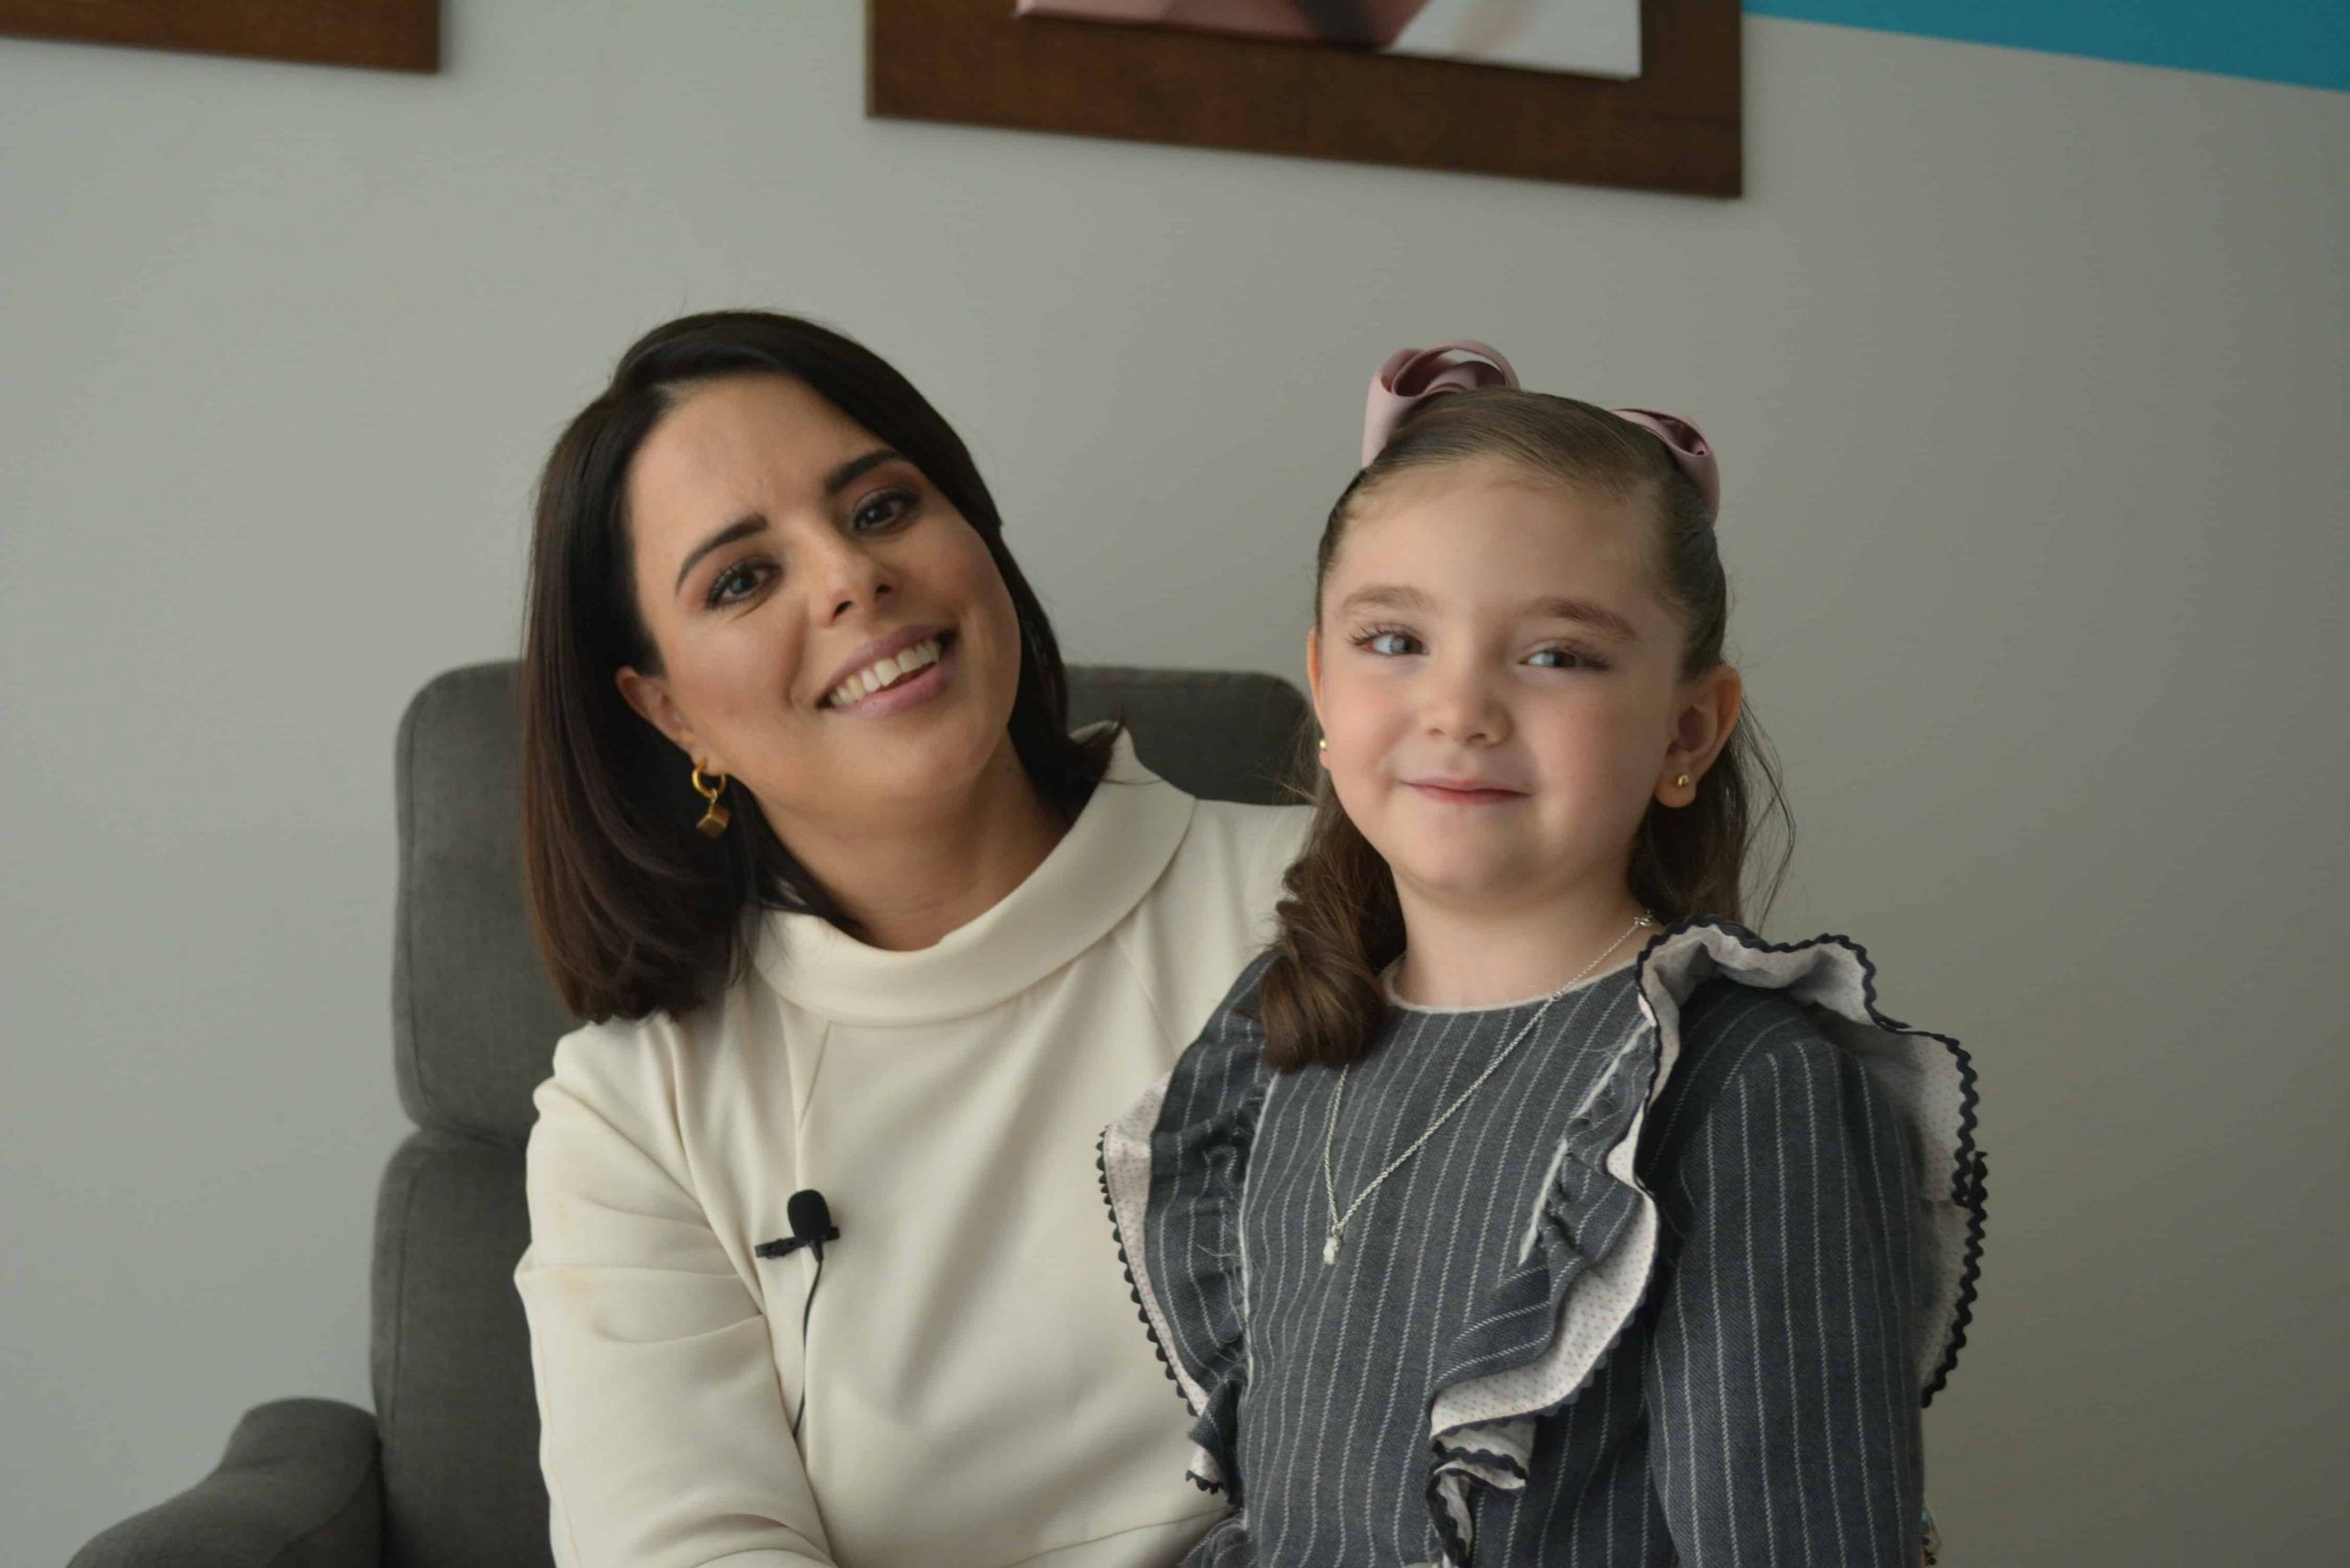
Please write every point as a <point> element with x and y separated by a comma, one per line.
<point>1785,1411</point>
<point>663,1432</point>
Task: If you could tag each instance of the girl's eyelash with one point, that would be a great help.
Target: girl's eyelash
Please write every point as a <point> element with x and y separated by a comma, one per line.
<point>1581,659</point>
<point>1372,634</point>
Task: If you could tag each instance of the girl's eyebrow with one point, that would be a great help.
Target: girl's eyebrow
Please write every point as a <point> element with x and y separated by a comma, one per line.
<point>1548,607</point>
<point>1385,596</point>
<point>1596,616</point>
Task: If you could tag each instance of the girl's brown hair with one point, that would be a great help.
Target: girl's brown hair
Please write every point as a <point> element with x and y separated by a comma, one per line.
<point>1321,999</point>
<point>634,912</point>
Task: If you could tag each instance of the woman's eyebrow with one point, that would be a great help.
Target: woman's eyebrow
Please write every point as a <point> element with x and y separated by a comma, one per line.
<point>741,528</point>
<point>842,477</point>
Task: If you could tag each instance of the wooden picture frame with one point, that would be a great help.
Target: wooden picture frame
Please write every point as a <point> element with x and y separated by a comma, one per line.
<point>381,35</point>
<point>1677,128</point>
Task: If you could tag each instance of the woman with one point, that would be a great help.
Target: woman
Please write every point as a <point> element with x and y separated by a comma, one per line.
<point>807,838</point>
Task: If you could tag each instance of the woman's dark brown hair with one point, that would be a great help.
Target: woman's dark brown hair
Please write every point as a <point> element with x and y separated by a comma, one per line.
<point>635,911</point>
<point>1340,926</point>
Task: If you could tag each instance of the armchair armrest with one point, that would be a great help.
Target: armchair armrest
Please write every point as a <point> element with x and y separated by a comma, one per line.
<point>300,1485</point>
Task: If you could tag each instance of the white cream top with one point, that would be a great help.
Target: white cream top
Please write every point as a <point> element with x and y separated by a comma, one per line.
<point>979,1392</point>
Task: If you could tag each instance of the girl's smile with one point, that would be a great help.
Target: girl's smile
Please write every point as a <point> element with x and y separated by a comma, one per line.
<point>1465,792</point>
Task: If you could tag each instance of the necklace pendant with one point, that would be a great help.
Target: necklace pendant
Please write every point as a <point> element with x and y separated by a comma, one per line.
<point>1330,1248</point>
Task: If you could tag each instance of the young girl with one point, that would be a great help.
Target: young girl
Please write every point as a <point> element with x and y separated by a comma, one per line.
<point>1519,1206</point>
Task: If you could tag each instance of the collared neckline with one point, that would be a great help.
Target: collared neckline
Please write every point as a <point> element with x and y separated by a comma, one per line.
<point>1395,1001</point>
<point>1111,857</point>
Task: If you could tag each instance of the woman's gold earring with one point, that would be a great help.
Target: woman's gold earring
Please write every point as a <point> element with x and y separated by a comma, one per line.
<point>714,820</point>
<point>1682,782</point>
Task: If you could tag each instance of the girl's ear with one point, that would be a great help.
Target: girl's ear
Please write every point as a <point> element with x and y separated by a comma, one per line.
<point>1314,671</point>
<point>1313,686</point>
<point>1701,727</point>
<point>649,696</point>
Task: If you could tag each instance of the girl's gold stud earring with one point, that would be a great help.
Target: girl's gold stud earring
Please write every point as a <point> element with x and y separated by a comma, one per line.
<point>1682,782</point>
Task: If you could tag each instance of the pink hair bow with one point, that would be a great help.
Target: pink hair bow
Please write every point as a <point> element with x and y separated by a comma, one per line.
<point>1412,376</point>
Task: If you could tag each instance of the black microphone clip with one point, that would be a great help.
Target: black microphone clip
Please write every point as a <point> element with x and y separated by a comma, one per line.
<point>812,1225</point>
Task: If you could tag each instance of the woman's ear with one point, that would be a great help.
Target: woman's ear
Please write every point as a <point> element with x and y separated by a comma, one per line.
<point>649,696</point>
<point>1709,707</point>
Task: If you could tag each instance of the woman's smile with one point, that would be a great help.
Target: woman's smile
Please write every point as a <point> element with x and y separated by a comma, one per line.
<point>897,683</point>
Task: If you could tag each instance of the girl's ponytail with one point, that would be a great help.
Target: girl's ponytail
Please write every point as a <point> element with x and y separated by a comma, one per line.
<point>1320,999</point>
<point>1696,860</point>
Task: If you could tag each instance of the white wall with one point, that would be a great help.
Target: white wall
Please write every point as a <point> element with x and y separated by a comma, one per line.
<point>2030,376</point>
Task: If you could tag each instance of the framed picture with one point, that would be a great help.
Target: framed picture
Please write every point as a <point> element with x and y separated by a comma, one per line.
<point>1584,38</point>
<point>1644,93</point>
<point>384,35</point>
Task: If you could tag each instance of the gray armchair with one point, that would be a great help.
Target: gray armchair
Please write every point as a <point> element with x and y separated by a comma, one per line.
<point>445,1472</point>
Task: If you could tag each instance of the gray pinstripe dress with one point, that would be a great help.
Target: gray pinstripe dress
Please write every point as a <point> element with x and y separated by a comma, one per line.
<point>1671,1287</point>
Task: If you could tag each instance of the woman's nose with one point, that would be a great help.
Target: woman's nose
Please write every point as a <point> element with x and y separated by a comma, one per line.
<point>845,577</point>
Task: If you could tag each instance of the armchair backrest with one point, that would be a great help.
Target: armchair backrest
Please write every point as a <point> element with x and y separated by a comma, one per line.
<point>474,1027</point>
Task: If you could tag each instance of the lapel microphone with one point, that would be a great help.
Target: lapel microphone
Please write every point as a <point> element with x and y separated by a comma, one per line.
<point>812,1225</point>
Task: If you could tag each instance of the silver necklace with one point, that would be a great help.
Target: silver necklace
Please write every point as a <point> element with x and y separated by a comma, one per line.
<point>1329,1183</point>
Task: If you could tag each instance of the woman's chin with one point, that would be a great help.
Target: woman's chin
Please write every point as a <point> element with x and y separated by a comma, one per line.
<point>937,753</point>
<point>929,740</point>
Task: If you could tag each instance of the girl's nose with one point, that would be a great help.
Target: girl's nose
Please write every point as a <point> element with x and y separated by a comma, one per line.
<point>1462,708</point>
